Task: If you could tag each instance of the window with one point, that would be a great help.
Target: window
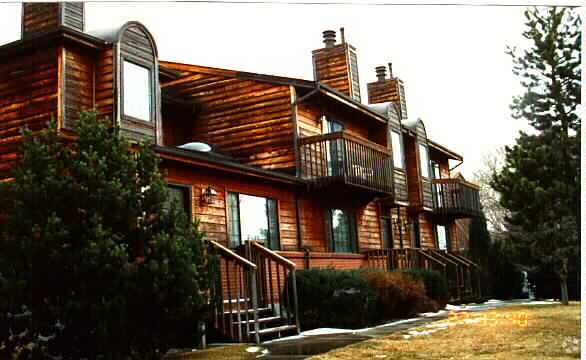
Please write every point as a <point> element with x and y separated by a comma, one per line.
<point>180,195</point>
<point>442,237</point>
<point>253,218</point>
<point>386,232</point>
<point>342,227</point>
<point>330,125</point>
<point>335,147</point>
<point>436,170</point>
<point>137,91</point>
<point>437,188</point>
<point>397,150</point>
<point>424,160</point>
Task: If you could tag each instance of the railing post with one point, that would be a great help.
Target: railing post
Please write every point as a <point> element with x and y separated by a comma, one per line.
<point>254,305</point>
<point>295,302</point>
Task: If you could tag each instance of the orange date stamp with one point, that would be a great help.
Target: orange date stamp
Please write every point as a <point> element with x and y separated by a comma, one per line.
<point>490,318</point>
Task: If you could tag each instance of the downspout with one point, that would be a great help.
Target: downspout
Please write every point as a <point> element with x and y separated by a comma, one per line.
<point>400,226</point>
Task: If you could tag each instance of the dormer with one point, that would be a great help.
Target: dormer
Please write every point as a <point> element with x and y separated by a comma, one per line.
<point>419,171</point>
<point>135,93</point>
<point>337,65</point>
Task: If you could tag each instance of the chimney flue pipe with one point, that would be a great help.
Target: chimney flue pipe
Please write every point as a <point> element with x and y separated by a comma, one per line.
<point>329,38</point>
<point>381,73</point>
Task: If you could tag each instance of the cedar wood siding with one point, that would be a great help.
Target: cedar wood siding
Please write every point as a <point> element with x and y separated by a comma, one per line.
<point>104,91</point>
<point>38,18</point>
<point>214,218</point>
<point>250,120</point>
<point>337,68</point>
<point>28,98</point>
<point>44,17</point>
<point>77,83</point>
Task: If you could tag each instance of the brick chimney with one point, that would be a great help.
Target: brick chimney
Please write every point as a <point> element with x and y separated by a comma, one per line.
<point>337,65</point>
<point>387,89</point>
<point>38,18</point>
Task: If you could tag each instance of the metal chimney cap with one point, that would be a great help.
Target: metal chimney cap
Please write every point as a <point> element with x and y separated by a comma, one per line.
<point>381,72</point>
<point>329,38</point>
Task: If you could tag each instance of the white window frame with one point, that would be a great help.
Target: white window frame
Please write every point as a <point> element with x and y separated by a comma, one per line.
<point>127,88</point>
<point>424,167</point>
<point>401,156</point>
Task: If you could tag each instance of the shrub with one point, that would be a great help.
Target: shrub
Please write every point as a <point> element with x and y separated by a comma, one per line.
<point>334,298</point>
<point>398,294</point>
<point>436,286</point>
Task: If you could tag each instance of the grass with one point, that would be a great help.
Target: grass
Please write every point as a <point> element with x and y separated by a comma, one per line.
<point>551,332</point>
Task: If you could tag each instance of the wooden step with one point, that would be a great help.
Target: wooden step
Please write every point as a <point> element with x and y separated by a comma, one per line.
<point>261,320</point>
<point>250,311</point>
<point>234,301</point>
<point>275,329</point>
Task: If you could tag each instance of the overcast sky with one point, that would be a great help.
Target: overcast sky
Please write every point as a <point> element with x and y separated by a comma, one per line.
<point>452,59</point>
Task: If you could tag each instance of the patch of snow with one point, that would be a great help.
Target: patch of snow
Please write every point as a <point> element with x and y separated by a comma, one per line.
<point>292,337</point>
<point>325,331</point>
<point>440,325</point>
<point>422,332</point>
<point>397,322</point>
<point>540,303</point>
<point>494,301</point>
<point>253,349</point>
<point>430,314</point>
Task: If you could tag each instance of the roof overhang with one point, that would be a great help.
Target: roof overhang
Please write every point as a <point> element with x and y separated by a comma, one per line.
<point>449,153</point>
<point>40,41</point>
<point>221,163</point>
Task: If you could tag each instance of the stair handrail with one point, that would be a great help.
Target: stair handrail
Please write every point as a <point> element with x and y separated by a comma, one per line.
<point>232,254</point>
<point>287,263</point>
<point>290,264</point>
<point>252,270</point>
<point>428,256</point>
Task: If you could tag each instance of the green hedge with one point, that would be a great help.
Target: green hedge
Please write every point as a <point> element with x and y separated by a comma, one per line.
<point>436,286</point>
<point>334,298</point>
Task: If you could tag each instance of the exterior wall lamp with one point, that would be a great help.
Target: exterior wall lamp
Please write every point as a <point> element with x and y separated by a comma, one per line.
<point>208,195</point>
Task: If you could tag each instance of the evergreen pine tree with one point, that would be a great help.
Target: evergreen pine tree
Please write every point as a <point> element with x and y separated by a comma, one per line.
<point>539,183</point>
<point>86,239</point>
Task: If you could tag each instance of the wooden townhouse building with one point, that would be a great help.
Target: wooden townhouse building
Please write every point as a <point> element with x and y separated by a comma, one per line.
<point>282,173</point>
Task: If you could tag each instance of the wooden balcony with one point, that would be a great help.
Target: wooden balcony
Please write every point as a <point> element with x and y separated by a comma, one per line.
<point>455,198</point>
<point>341,159</point>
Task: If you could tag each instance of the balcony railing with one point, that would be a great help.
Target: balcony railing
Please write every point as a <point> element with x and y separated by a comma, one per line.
<point>455,197</point>
<point>340,158</point>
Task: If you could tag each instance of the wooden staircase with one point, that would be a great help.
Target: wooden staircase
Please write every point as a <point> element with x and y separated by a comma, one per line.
<point>256,294</point>
<point>460,273</point>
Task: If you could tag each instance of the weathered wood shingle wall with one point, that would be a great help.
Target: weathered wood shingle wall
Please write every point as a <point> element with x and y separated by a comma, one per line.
<point>28,98</point>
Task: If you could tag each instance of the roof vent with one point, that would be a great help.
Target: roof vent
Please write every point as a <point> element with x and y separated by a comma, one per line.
<point>329,38</point>
<point>381,73</point>
<point>196,146</point>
